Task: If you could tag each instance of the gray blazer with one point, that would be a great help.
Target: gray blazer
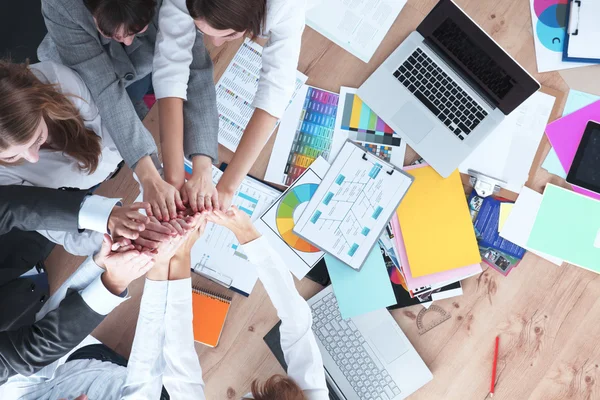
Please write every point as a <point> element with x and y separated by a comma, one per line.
<point>107,67</point>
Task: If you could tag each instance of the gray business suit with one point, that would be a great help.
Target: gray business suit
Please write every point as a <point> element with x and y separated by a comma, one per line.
<point>25,345</point>
<point>107,67</point>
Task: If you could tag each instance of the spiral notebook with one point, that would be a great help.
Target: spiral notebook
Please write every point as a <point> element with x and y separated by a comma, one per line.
<point>210,310</point>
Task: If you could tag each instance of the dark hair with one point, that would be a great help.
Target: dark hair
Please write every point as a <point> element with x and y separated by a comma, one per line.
<point>25,100</point>
<point>130,15</point>
<point>239,15</point>
<point>277,387</point>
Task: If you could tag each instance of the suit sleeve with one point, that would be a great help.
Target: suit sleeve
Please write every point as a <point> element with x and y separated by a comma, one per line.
<point>32,208</point>
<point>83,53</point>
<point>30,348</point>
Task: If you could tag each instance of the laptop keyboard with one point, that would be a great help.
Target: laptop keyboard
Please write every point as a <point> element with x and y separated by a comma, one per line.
<point>352,354</point>
<point>438,92</point>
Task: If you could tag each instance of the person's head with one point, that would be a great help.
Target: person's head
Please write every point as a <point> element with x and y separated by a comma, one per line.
<point>225,20</point>
<point>121,20</point>
<point>33,113</point>
<point>277,387</point>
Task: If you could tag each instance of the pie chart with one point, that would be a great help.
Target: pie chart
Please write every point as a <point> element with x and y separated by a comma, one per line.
<point>294,202</point>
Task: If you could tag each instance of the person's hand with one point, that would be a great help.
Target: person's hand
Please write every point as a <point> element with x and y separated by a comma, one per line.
<point>236,221</point>
<point>225,197</point>
<point>198,224</point>
<point>121,268</point>
<point>199,192</point>
<point>126,221</point>
<point>180,230</point>
<point>154,234</point>
<point>164,199</point>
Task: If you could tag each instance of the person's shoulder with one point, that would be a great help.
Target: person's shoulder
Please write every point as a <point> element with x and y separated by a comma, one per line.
<point>282,10</point>
<point>75,8</point>
<point>66,80</point>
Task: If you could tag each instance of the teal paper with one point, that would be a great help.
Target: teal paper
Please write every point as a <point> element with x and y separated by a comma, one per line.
<point>575,101</point>
<point>360,292</point>
<point>567,226</point>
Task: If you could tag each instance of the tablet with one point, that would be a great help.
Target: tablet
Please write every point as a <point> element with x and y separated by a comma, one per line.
<point>585,170</point>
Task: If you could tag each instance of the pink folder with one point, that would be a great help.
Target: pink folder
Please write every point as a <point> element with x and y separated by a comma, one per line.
<point>566,133</point>
<point>427,280</point>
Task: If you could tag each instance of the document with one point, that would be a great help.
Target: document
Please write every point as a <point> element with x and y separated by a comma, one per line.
<point>352,205</point>
<point>357,26</point>
<point>236,90</point>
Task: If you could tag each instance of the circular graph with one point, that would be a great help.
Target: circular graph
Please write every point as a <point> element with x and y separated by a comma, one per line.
<point>551,24</point>
<point>292,205</point>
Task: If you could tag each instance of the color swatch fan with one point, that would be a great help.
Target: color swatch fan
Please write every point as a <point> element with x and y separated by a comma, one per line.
<point>278,222</point>
<point>293,203</point>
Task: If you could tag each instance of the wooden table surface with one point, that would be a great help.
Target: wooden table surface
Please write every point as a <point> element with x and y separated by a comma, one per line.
<point>547,316</point>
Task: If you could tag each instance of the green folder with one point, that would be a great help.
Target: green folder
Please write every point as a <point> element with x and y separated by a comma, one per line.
<point>568,226</point>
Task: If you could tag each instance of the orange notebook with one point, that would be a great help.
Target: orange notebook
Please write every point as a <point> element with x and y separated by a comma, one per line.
<point>210,310</point>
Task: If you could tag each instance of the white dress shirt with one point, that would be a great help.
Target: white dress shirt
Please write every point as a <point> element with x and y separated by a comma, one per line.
<point>283,26</point>
<point>163,349</point>
<point>57,170</point>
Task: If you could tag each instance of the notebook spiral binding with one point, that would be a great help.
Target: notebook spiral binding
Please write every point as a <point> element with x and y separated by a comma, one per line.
<point>214,295</point>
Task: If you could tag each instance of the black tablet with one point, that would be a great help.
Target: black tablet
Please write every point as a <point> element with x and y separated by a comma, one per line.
<point>585,170</point>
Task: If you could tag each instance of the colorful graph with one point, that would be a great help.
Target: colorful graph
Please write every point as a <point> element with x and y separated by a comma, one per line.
<point>364,125</point>
<point>314,134</point>
<point>552,22</point>
<point>382,151</point>
<point>295,198</point>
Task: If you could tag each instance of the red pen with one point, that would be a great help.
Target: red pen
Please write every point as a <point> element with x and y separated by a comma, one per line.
<point>494,366</point>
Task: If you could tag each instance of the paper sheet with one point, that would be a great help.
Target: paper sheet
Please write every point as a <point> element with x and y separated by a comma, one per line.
<point>357,26</point>
<point>305,133</point>
<point>548,19</point>
<point>505,209</point>
<point>236,90</point>
<point>357,122</point>
<point>278,221</point>
<point>441,278</point>
<point>360,292</point>
<point>567,225</point>
<point>352,205</point>
<point>585,21</point>
<point>517,227</point>
<point>508,152</point>
<point>575,101</point>
<point>219,250</point>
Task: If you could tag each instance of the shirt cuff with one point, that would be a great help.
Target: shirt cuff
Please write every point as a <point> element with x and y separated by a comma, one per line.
<point>170,89</point>
<point>99,299</point>
<point>95,211</point>
<point>180,289</point>
<point>257,250</point>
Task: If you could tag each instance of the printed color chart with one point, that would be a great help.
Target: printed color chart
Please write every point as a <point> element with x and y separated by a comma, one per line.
<point>314,135</point>
<point>364,125</point>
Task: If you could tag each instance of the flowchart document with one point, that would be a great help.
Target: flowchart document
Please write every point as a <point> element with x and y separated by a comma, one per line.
<point>357,26</point>
<point>353,204</point>
<point>236,90</point>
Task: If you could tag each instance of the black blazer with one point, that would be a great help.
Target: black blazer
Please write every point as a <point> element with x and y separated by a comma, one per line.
<point>27,346</point>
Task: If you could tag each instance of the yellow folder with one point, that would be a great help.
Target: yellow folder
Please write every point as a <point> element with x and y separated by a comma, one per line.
<point>436,224</point>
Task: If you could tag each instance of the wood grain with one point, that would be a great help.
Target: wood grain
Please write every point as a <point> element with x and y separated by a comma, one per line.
<point>546,316</point>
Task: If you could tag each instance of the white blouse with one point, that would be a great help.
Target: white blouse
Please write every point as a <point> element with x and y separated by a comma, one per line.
<point>57,170</point>
<point>284,24</point>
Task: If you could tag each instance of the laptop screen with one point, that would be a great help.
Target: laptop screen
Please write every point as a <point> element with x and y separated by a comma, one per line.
<point>477,57</point>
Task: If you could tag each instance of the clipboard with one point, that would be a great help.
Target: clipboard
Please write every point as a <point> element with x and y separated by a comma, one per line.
<point>578,33</point>
<point>353,204</point>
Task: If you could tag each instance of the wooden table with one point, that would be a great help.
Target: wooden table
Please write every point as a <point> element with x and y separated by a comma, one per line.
<point>547,316</point>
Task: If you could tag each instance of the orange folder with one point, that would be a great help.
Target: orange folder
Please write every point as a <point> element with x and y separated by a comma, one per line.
<point>210,311</point>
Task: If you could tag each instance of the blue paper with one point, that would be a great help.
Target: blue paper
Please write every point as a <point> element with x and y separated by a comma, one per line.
<point>360,292</point>
<point>575,101</point>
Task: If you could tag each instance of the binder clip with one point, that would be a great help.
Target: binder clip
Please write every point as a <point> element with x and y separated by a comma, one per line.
<point>484,185</point>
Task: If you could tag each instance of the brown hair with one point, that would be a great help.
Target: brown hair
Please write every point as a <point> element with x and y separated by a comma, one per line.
<point>239,15</point>
<point>130,15</point>
<point>25,100</point>
<point>277,387</point>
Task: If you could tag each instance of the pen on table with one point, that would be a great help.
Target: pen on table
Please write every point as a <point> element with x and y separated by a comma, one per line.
<point>494,366</point>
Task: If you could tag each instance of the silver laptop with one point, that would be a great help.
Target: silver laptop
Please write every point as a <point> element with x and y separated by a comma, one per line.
<point>365,357</point>
<point>446,87</point>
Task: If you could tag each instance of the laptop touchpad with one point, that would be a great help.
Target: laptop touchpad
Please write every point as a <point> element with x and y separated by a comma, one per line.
<point>388,341</point>
<point>414,122</point>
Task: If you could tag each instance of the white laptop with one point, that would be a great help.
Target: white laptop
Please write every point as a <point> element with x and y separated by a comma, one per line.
<point>365,357</point>
<point>446,87</point>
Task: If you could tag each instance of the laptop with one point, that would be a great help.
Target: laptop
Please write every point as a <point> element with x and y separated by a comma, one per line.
<point>365,357</point>
<point>446,87</point>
